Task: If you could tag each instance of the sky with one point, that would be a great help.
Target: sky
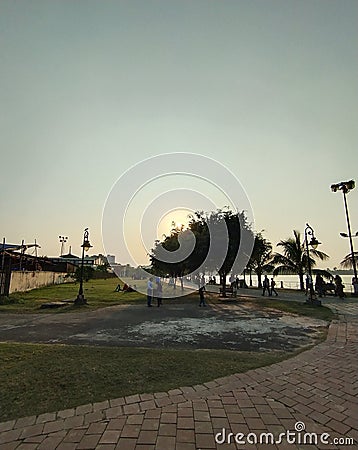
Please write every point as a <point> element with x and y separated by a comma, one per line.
<point>89,88</point>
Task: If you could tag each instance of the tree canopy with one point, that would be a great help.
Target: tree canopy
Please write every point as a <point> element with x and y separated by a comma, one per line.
<point>221,241</point>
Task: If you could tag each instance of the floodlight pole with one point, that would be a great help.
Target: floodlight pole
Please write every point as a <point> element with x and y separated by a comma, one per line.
<point>350,233</point>
<point>345,187</point>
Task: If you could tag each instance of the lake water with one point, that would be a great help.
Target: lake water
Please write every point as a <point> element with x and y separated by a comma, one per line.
<point>292,281</point>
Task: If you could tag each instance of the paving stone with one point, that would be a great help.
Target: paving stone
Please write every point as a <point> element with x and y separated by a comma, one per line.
<point>84,409</point>
<point>34,430</point>
<point>126,444</point>
<point>94,416</point>
<point>185,446</point>
<point>167,429</point>
<point>165,443</point>
<point>66,413</point>
<point>110,437</point>
<point>133,408</point>
<point>185,412</point>
<point>73,422</point>
<point>100,406</point>
<point>135,419</point>
<point>6,426</point>
<point>168,418</point>
<point>117,402</point>
<point>146,397</point>
<point>74,435</point>
<point>66,446</point>
<point>50,443</point>
<point>147,437</point>
<point>205,441</point>
<point>187,436</point>
<point>150,424</point>
<point>89,442</point>
<point>97,428</point>
<point>25,422</point>
<point>131,431</point>
<point>116,424</point>
<point>10,445</point>
<point>185,422</point>
<point>56,425</point>
<point>47,417</point>
<point>149,404</point>
<point>112,413</point>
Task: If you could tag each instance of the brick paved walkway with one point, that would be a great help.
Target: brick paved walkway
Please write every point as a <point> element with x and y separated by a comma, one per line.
<point>318,387</point>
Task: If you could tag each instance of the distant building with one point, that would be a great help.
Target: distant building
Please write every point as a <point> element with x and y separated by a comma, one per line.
<point>76,260</point>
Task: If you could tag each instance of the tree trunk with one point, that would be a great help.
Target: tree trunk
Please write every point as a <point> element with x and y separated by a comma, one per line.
<point>259,282</point>
<point>302,284</point>
<point>223,284</point>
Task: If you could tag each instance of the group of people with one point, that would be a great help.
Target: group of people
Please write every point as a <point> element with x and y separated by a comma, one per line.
<point>154,291</point>
<point>125,288</point>
<point>269,286</point>
<point>321,287</point>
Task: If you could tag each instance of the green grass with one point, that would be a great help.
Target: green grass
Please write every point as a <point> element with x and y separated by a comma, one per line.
<point>43,378</point>
<point>99,294</point>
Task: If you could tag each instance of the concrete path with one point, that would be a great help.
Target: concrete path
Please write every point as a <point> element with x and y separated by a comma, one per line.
<point>314,392</point>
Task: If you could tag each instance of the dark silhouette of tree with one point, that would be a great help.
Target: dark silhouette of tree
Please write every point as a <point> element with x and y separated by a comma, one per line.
<point>217,252</point>
<point>293,259</point>
<point>347,262</point>
<point>261,257</point>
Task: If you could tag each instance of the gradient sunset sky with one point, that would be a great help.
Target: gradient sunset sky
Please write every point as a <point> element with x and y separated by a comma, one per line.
<point>88,88</point>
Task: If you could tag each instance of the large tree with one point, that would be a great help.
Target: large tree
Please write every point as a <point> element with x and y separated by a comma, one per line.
<point>219,235</point>
<point>293,259</point>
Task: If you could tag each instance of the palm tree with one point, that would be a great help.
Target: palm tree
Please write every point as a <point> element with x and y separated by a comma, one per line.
<point>293,259</point>
<point>347,262</point>
<point>261,257</point>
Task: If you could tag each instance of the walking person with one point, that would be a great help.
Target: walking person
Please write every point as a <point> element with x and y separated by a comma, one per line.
<point>201,291</point>
<point>273,290</point>
<point>150,289</point>
<point>159,292</point>
<point>266,286</point>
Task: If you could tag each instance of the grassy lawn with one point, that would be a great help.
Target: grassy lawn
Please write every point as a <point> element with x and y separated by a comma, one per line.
<point>43,378</point>
<point>99,294</point>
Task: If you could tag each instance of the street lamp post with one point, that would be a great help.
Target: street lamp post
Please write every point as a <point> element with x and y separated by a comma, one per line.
<point>313,243</point>
<point>345,187</point>
<point>80,300</point>
<point>63,240</point>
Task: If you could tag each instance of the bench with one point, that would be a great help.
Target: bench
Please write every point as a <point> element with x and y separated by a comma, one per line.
<point>229,290</point>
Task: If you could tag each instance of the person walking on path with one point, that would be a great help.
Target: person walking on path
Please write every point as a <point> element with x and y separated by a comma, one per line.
<point>266,286</point>
<point>273,290</point>
<point>159,292</point>
<point>201,291</point>
<point>150,289</point>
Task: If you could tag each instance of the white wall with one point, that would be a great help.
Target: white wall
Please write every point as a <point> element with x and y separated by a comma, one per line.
<point>25,281</point>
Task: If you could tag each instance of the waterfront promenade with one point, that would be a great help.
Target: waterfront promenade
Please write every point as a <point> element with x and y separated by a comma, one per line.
<point>316,390</point>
